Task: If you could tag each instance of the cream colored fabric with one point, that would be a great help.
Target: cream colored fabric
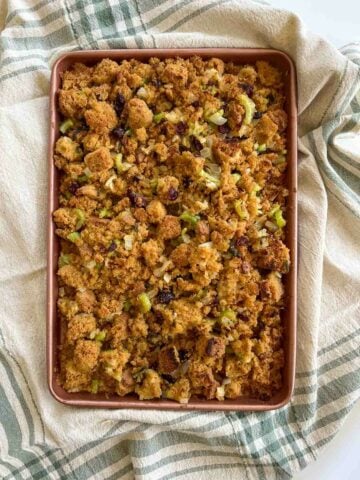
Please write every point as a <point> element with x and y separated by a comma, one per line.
<point>37,434</point>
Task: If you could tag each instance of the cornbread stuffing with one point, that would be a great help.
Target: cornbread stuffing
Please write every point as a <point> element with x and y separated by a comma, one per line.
<point>171,219</point>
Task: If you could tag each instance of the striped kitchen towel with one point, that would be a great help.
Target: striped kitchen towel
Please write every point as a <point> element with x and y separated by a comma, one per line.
<point>42,439</point>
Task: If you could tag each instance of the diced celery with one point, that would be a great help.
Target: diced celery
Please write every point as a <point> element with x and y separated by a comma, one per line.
<point>80,215</point>
<point>66,125</point>
<point>279,219</point>
<point>228,313</point>
<point>73,237</point>
<point>280,160</point>
<point>190,218</point>
<point>93,334</point>
<point>262,148</point>
<point>64,260</point>
<point>127,305</point>
<point>200,294</point>
<point>275,208</point>
<point>153,183</point>
<point>118,162</point>
<point>105,213</point>
<point>100,337</point>
<point>249,106</point>
<point>158,117</point>
<point>173,116</point>
<point>94,386</point>
<point>197,129</point>
<point>241,210</point>
<point>257,188</point>
<point>82,178</point>
<point>144,302</point>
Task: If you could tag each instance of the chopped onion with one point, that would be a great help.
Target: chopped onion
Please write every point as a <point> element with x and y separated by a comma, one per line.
<point>173,116</point>
<point>206,245</point>
<point>90,265</point>
<point>110,182</point>
<point>128,242</point>
<point>184,367</point>
<point>271,226</point>
<point>262,233</point>
<point>152,293</point>
<point>167,278</point>
<point>159,272</point>
<point>126,166</point>
<point>142,93</point>
<point>184,236</point>
<point>220,393</point>
<point>217,118</point>
<point>206,152</point>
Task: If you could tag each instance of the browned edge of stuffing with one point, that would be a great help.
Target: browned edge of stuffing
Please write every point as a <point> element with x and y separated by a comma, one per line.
<point>239,55</point>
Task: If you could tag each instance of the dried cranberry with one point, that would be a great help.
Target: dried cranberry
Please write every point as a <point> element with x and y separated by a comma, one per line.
<point>196,104</point>
<point>136,199</point>
<point>173,194</point>
<point>165,296</point>
<point>257,115</point>
<point>180,128</point>
<point>215,301</point>
<point>196,144</point>
<point>119,132</point>
<point>168,378</point>
<point>187,182</point>
<point>112,247</point>
<point>232,139</point>
<point>224,128</point>
<point>242,317</point>
<point>245,267</point>
<point>249,89</point>
<point>210,347</point>
<point>258,329</point>
<point>241,241</point>
<point>183,354</point>
<point>73,187</point>
<point>132,196</point>
<point>119,103</point>
<point>234,252</point>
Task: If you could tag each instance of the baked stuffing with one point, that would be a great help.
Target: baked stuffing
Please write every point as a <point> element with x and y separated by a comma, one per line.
<point>171,219</point>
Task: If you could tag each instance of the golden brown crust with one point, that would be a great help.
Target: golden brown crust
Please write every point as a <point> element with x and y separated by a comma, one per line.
<point>171,216</point>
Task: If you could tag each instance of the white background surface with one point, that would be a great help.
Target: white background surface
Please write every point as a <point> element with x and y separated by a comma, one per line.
<point>338,22</point>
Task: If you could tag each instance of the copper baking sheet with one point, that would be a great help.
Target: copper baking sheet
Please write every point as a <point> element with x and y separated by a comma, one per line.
<point>238,55</point>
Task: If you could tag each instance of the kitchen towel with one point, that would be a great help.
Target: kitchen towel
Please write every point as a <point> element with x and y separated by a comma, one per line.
<point>40,438</point>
